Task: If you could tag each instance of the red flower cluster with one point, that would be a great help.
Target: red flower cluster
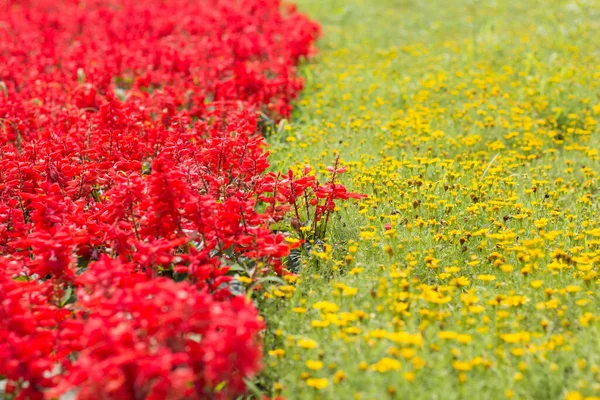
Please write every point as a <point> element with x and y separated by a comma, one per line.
<point>133,338</point>
<point>132,175</point>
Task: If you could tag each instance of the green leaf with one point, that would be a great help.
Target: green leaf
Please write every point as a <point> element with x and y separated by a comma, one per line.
<point>253,388</point>
<point>68,297</point>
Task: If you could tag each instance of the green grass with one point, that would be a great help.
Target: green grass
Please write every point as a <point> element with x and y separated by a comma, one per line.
<point>472,126</point>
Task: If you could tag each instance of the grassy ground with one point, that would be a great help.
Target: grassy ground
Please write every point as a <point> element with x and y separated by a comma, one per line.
<point>471,270</point>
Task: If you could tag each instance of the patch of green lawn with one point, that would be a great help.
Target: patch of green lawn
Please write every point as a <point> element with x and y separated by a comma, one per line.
<point>471,270</point>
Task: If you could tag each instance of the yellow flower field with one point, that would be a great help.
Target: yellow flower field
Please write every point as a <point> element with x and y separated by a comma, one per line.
<point>471,270</point>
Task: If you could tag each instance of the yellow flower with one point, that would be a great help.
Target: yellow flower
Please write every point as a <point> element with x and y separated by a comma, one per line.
<point>506,268</point>
<point>461,365</point>
<point>409,376</point>
<point>464,338</point>
<point>349,291</point>
<point>518,376</point>
<point>476,309</point>
<point>317,383</point>
<point>406,338</point>
<point>319,324</point>
<point>307,343</point>
<point>314,365</point>
<point>386,364</point>
<point>277,353</point>
<point>462,281</point>
<point>408,352</point>
<point>356,271</point>
<point>326,306</point>
<point>447,335</point>
<point>573,396</point>
<point>378,333</point>
<point>339,376</point>
<point>352,330</point>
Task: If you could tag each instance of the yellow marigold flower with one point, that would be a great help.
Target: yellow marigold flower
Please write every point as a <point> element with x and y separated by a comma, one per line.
<point>573,396</point>
<point>464,338</point>
<point>352,330</point>
<point>299,310</point>
<point>406,338</point>
<point>515,337</point>
<point>486,277</point>
<point>277,353</point>
<point>408,352</point>
<point>360,314</point>
<point>461,365</point>
<point>447,335</point>
<point>317,383</point>
<point>307,343</point>
<point>287,288</point>
<point>506,268</point>
<point>476,309</point>
<point>585,319</point>
<point>319,324</point>
<point>314,365</point>
<point>386,364</point>
<point>367,235</point>
<point>378,333</point>
<point>518,352</point>
<point>462,281</point>
<point>339,376</point>
<point>326,306</point>
<point>572,289</point>
<point>418,363</point>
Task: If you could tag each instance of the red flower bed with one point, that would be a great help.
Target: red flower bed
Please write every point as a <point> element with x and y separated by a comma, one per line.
<point>132,176</point>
